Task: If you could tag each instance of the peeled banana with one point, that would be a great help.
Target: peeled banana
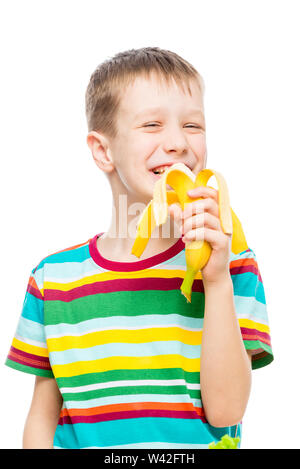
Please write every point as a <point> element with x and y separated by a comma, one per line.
<point>197,253</point>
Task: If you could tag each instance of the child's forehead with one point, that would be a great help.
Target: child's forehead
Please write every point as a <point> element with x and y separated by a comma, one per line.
<point>145,91</point>
<point>162,84</point>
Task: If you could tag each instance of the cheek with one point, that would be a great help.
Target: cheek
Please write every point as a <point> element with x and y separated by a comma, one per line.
<point>135,148</point>
<point>145,145</point>
<point>199,145</point>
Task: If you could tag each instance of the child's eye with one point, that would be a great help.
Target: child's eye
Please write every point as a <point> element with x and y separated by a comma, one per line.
<point>188,125</point>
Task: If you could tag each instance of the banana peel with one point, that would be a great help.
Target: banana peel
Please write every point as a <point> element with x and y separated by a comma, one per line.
<point>197,253</point>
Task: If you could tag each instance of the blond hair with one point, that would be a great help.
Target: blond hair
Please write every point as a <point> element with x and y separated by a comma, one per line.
<point>111,78</point>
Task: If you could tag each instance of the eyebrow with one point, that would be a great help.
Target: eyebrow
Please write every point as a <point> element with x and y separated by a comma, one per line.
<point>145,112</point>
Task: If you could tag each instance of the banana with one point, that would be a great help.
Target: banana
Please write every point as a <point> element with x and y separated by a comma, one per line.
<point>146,225</point>
<point>197,253</point>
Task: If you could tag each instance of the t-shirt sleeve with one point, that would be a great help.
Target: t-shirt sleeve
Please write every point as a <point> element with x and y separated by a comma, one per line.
<point>251,308</point>
<point>28,351</point>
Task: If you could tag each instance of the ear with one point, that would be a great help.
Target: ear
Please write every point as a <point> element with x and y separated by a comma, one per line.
<point>99,147</point>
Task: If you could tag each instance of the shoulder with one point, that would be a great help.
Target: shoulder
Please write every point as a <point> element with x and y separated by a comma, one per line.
<point>76,253</point>
<point>244,262</point>
<point>245,256</point>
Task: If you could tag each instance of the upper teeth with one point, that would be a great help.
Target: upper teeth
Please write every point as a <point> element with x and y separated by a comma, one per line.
<point>160,170</point>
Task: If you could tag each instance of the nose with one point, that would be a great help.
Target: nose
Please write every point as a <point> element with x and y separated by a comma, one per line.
<point>175,141</point>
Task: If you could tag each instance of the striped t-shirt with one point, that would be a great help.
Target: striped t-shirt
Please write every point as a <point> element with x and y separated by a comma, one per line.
<point>124,345</point>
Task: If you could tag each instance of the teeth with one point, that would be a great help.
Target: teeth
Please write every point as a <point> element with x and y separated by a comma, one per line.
<point>160,170</point>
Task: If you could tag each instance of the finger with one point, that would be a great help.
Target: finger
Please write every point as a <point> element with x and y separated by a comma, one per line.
<point>200,206</point>
<point>199,220</point>
<point>204,191</point>
<point>216,238</point>
<point>175,211</point>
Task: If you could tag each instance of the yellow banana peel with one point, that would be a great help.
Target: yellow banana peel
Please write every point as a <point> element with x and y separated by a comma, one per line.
<point>197,253</point>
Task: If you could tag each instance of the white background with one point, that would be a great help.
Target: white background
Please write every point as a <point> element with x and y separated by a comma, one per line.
<point>54,196</point>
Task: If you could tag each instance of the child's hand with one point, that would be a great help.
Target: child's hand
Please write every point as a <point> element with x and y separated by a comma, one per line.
<point>200,220</point>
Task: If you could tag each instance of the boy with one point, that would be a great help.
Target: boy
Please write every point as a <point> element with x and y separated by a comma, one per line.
<point>115,346</point>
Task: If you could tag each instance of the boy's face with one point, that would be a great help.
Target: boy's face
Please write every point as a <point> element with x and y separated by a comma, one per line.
<point>157,124</point>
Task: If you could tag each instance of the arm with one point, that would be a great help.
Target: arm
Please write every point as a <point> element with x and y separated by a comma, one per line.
<point>43,415</point>
<point>225,363</point>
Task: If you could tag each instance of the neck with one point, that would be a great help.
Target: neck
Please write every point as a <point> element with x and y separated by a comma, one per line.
<point>117,241</point>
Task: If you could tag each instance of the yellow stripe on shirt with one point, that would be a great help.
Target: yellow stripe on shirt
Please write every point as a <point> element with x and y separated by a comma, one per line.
<point>123,363</point>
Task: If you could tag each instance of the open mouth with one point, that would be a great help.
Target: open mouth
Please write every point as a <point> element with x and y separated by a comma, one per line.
<point>159,170</point>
